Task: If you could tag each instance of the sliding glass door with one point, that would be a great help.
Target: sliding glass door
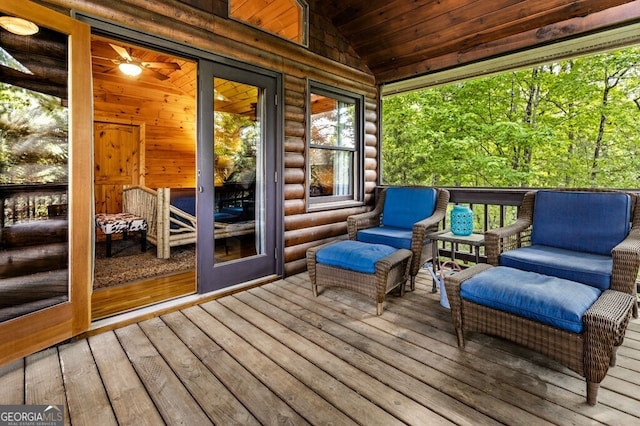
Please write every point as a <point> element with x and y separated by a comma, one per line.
<point>45,216</point>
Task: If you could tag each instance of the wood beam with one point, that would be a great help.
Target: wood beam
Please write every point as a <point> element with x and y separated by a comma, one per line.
<point>495,25</point>
<point>620,15</point>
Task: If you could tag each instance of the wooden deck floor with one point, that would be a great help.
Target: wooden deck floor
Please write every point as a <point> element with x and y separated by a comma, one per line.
<point>276,355</point>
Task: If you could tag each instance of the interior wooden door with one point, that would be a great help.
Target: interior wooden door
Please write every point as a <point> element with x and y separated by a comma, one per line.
<point>65,81</point>
<point>116,163</point>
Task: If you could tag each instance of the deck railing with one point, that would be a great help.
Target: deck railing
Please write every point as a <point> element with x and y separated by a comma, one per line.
<point>27,202</point>
<point>492,208</point>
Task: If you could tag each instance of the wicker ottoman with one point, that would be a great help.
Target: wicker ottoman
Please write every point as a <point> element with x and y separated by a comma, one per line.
<point>370,269</point>
<point>589,352</point>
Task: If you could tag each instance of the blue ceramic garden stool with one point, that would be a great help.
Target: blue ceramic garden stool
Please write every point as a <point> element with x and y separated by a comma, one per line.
<point>461,220</point>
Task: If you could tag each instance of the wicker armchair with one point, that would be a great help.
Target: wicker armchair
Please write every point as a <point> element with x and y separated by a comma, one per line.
<point>425,223</point>
<point>625,255</point>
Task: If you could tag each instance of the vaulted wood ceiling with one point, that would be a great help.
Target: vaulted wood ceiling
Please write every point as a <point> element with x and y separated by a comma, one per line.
<point>396,39</point>
<point>400,39</point>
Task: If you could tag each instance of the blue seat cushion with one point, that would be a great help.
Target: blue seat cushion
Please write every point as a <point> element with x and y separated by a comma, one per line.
<point>353,255</point>
<point>187,204</point>
<point>404,206</point>
<point>388,235</point>
<point>237,211</point>
<point>224,217</point>
<point>592,222</point>
<point>550,300</point>
<point>586,268</point>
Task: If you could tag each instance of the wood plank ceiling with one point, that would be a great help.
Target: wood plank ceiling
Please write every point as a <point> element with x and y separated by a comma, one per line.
<point>165,72</point>
<point>397,39</point>
<point>401,39</point>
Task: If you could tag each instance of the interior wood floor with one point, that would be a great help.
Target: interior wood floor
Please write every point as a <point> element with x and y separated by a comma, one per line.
<point>125,297</point>
<point>114,300</point>
<point>277,355</point>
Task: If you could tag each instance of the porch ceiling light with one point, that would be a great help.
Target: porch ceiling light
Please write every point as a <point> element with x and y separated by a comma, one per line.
<point>130,69</point>
<point>18,26</point>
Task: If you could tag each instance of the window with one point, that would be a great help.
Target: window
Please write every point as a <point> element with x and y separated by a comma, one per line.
<point>285,18</point>
<point>335,145</point>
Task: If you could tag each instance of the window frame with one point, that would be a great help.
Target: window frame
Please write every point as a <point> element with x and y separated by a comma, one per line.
<point>357,100</point>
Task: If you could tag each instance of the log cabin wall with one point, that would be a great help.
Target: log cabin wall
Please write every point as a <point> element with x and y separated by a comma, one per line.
<point>328,59</point>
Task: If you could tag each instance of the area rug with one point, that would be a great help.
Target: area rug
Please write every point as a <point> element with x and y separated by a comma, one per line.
<point>127,264</point>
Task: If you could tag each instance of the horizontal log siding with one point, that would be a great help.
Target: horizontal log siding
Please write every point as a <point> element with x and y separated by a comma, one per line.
<point>329,59</point>
<point>305,229</point>
<point>217,7</point>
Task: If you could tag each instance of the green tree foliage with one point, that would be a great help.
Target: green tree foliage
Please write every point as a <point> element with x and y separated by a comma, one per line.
<point>34,129</point>
<point>569,124</point>
<point>235,147</point>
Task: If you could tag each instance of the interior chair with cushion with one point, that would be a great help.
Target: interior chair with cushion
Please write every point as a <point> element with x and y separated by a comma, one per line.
<point>587,236</point>
<point>402,218</point>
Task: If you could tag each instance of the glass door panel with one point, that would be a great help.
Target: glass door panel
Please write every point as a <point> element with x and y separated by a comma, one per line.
<point>236,172</point>
<point>34,152</point>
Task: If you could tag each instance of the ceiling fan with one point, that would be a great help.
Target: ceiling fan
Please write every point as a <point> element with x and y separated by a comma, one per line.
<point>132,66</point>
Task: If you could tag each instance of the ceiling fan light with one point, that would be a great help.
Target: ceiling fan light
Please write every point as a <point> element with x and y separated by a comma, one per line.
<point>130,69</point>
<point>18,26</point>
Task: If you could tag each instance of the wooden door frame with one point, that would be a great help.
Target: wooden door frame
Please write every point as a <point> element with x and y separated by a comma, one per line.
<point>27,334</point>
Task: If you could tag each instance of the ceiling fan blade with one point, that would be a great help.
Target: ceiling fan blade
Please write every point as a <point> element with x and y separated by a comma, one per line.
<point>219,96</point>
<point>115,61</point>
<point>156,74</point>
<point>122,52</point>
<point>161,65</point>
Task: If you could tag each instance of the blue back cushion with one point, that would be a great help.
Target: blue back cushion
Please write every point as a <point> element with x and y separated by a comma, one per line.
<point>592,222</point>
<point>405,206</point>
<point>187,204</point>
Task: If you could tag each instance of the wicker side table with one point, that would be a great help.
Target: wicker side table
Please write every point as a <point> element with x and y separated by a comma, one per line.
<point>391,272</point>
<point>474,241</point>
